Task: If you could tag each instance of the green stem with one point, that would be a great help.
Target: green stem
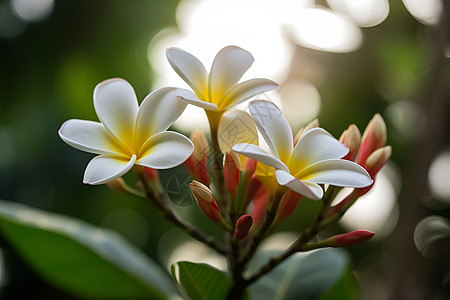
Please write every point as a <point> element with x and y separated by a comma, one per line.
<point>268,221</point>
<point>301,243</point>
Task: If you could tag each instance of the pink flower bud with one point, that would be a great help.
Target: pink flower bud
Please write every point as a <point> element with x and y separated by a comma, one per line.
<point>377,160</point>
<point>288,204</point>
<point>348,239</point>
<point>374,137</point>
<point>231,167</point>
<point>118,185</point>
<point>374,163</point>
<point>197,163</point>
<point>243,225</point>
<point>151,174</point>
<point>258,195</point>
<point>313,124</point>
<point>206,201</point>
<point>352,139</point>
<point>249,167</point>
<point>254,188</point>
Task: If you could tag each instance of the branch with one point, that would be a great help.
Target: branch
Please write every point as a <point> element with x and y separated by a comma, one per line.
<point>158,197</point>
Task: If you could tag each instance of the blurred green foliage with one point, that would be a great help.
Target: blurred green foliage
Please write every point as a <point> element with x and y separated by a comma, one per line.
<point>49,71</point>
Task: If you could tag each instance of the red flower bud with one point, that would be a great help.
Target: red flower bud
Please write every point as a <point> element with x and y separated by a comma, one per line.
<point>243,225</point>
<point>249,167</point>
<point>352,139</point>
<point>231,167</point>
<point>348,239</point>
<point>206,201</point>
<point>197,163</point>
<point>258,195</point>
<point>151,174</point>
<point>374,137</point>
<point>288,204</point>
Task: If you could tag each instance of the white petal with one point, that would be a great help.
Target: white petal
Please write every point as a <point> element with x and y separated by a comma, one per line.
<point>273,127</point>
<point>259,154</point>
<point>90,137</point>
<point>315,145</point>
<point>165,150</point>
<point>103,169</point>
<point>246,90</point>
<point>236,127</point>
<point>191,98</point>
<point>190,69</point>
<point>308,189</point>
<point>227,69</point>
<point>338,172</point>
<point>159,110</point>
<point>116,106</point>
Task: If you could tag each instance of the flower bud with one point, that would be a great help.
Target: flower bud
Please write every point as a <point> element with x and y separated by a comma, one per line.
<point>231,167</point>
<point>206,201</point>
<point>258,195</point>
<point>249,167</point>
<point>313,124</point>
<point>243,225</point>
<point>348,239</point>
<point>373,165</point>
<point>151,174</point>
<point>288,204</point>
<point>254,188</point>
<point>374,137</point>
<point>352,139</point>
<point>197,163</point>
<point>377,160</point>
<point>118,185</point>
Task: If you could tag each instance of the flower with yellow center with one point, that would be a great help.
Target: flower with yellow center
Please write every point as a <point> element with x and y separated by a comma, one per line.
<point>315,159</point>
<point>218,90</point>
<point>128,134</point>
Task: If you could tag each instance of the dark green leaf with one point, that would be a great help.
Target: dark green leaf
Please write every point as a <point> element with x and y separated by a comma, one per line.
<point>201,281</point>
<point>301,277</point>
<point>82,259</point>
<point>346,288</point>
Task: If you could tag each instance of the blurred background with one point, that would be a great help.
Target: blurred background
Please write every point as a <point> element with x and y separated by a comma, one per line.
<point>340,61</point>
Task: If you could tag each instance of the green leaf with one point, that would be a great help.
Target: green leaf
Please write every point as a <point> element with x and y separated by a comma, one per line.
<point>82,259</point>
<point>301,277</point>
<point>346,288</point>
<point>201,281</point>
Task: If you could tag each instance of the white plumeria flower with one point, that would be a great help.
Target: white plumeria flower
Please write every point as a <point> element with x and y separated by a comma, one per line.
<point>315,159</point>
<point>219,89</point>
<point>128,135</point>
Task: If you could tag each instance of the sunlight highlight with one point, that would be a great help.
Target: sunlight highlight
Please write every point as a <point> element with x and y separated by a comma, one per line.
<point>33,10</point>
<point>365,13</point>
<point>377,210</point>
<point>427,12</point>
<point>438,177</point>
<point>324,30</point>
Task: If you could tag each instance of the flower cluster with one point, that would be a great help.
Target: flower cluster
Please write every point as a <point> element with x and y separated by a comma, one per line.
<point>245,185</point>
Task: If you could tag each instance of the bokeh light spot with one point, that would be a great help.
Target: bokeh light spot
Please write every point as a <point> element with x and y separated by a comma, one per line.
<point>365,13</point>
<point>10,25</point>
<point>376,211</point>
<point>300,101</point>
<point>427,12</point>
<point>438,177</point>
<point>431,234</point>
<point>33,10</point>
<point>322,29</point>
<point>408,118</point>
